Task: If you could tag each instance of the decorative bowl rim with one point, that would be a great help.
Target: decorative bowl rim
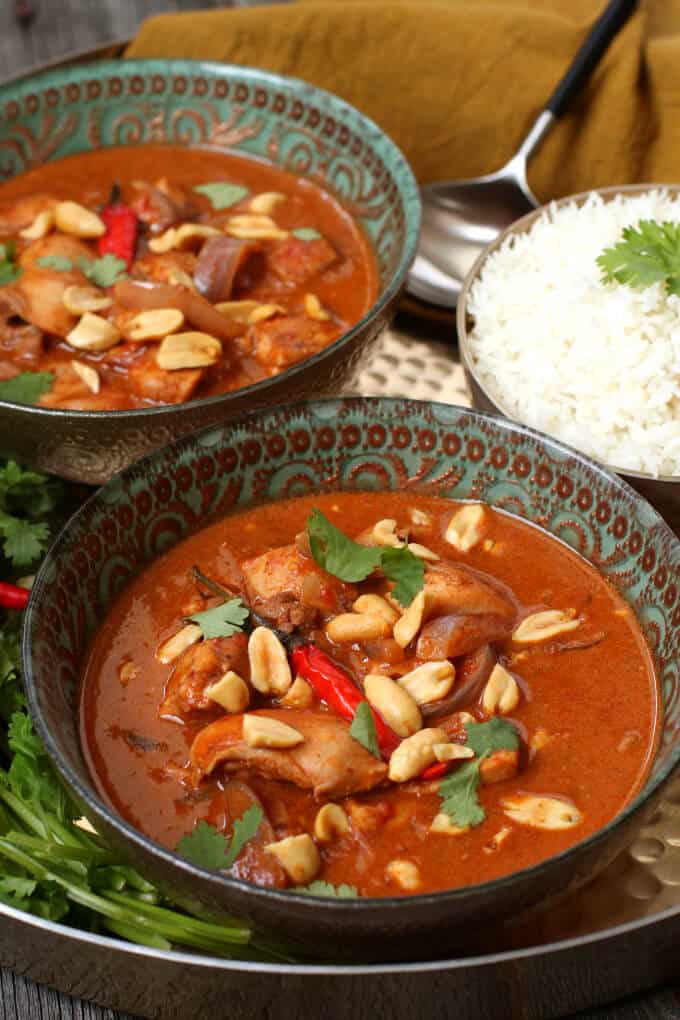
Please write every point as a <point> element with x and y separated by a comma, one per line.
<point>520,226</point>
<point>137,839</point>
<point>408,190</point>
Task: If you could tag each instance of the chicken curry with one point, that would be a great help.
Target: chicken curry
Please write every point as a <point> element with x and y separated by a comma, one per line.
<point>374,695</point>
<point>139,276</point>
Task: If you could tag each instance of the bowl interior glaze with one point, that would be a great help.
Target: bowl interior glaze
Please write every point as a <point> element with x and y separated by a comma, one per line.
<point>355,444</point>
<point>250,112</point>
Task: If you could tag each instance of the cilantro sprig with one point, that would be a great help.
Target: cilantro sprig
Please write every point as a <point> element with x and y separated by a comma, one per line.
<point>26,387</point>
<point>222,194</point>
<point>209,848</point>
<point>223,620</point>
<point>648,253</point>
<point>338,892</point>
<point>102,272</point>
<point>346,559</point>
<point>460,789</point>
<point>306,234</point>
<point>26,498</point>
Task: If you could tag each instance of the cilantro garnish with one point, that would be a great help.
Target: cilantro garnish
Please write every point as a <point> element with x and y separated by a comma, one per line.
<point>223,620</point>
<point>208,848</point>
<point>350,561</point>
<point>648,253</point>
<point>460,789</point>
<point>102,272</point>
<point>25,496</point>
<point>221,194</point>
<point>338,892</point>
<point>61,263</point>
<point>9,270</point>
<point>26,388</point>
<point>363,728</point>
<point>306,233</point>
<point>494,735</point>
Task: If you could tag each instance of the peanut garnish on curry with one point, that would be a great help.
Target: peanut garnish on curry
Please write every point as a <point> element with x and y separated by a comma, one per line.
<point>132,277</point>
<point>369,695</point>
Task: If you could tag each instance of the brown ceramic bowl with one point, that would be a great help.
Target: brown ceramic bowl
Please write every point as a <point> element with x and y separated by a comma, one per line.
<point>662,491</point>
<point>254,113</point>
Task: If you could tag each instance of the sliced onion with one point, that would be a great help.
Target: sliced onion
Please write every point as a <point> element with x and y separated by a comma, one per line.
<point>447,637</point>
<point>218,263</point>
<point>141,296</point>
<point>472,672</point>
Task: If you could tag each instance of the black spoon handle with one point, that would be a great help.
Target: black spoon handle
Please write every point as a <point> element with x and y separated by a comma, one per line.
<point>608,25</point>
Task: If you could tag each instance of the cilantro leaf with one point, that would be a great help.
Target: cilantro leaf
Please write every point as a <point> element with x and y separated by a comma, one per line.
<point>363,728</point>
<point>23,541</point>
<point>105,271</point>
<point>494,735</point>
<point>647,254</point>
<point>221,194</point>
<point>61,263</point>
<point>26,388</point>
<point>24,496</point>
<point>459,792</point>
<point>399,564</point>
<point>223,620</point>
<point>319,888</point>
<point>208,848</point>
<point>337,553</point>
<point>306,233</point>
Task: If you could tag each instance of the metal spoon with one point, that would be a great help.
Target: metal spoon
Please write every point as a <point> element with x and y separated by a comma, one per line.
<point>460,218</point>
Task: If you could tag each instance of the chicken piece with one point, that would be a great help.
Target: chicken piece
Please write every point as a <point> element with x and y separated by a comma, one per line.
<point>288,339</point>
<point>42,288</point>
<point>21,341</point>
<point>148,381</point>
<point>328,761</point>
<point>295,260</point>
<point>198,668</point>
<point>453,589</point>
<point>279,584</point>
<point>20,213</point>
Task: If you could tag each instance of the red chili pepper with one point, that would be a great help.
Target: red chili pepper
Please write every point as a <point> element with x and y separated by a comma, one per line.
<point>335,688</point>
<point>12,596</point>
<point>121,223</point>
<point>435,771</point>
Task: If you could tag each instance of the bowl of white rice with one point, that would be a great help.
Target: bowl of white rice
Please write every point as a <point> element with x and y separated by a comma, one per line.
<point>545,340</point>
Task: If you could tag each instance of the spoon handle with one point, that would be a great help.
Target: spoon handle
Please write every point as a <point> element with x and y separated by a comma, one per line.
<point>612,19</point>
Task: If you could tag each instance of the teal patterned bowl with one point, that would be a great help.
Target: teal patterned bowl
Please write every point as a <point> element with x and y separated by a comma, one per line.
<point>248,111</point>
<point>354,444</point>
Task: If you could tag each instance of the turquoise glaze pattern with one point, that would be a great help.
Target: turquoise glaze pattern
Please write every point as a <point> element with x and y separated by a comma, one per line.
<point>355,444</point>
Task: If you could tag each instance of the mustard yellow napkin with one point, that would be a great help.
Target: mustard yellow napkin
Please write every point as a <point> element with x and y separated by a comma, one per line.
<point>458,82</point>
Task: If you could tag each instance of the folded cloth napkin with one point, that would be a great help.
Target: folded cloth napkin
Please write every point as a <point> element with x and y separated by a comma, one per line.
<point>457,83</point>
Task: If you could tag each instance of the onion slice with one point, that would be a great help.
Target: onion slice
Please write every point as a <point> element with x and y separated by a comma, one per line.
<point>220,260</point>
<point>141,296</point>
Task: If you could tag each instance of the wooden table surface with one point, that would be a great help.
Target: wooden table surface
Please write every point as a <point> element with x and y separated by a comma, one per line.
<point>57,28</point>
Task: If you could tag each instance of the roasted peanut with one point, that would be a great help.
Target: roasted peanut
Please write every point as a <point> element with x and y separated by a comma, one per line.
<point>77,300</point>
<point>420,518</point>
<point>385,533</point>
<point>93,333</point>
<point>261,731</point>
<point>179,642</point>
<point>545,625</point>
<point>264,312</point>
<point>127,672</point>
<point>376,605</point>
<point>394,704</point>
<point>40,227</point>
<point>73,218</point>
<point>230,692</point>
<point>496,842</point>
<point>154,324</point>
<point>314,309</point>
<point>189,235</point>
<point>452,752</point>
<point>552,813</point>
<point>269,669</point>
<point>188,350</point>
<point>430,682</point>
<point>501,693</point>
<point>300,695</point>
<point>465,527</point>
<point>266,202</point>
<point>298,856</point>
<point>348,627</point>
<point>409,623</point>
<point>239,311</point>
<point>330,823</point>
<point>254,226</point>
<point>88,374</point>
<point>443,826</point>
<point>405,874</point>
<point>414,754</point>
<point>422,552</point>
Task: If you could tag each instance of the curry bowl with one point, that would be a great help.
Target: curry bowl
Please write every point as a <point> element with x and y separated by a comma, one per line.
<point>354,445</point>
<point>245,113</point>
<point>663,489</point>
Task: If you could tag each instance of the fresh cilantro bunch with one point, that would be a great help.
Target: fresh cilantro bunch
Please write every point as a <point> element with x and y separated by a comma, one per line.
<point>648,253</point>
<point>350,561</point>
<point>26,499</point>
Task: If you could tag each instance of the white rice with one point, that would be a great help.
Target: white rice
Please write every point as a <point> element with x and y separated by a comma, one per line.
<point>597,365</point>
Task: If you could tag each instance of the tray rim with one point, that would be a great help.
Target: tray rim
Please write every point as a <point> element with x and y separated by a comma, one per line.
<point>113,50</point>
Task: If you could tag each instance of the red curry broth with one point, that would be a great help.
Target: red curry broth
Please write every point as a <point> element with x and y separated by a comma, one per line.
<point>580,742</point>
<point>334,264</point>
